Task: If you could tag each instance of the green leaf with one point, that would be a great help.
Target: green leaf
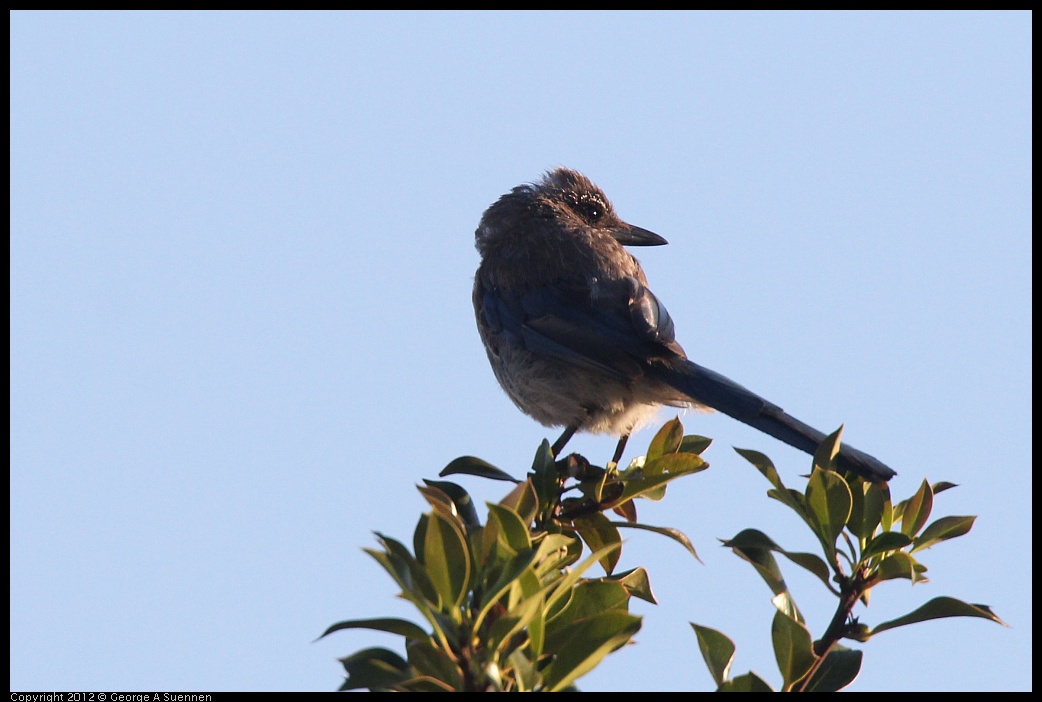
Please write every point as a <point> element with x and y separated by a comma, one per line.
<point>586,643</point>
<point>469,465</point>
<point>917,510</point>
<point>939,608</point>
<point>401,627</point>
<point>764,465</point>
<point>423,683</point>
<point>749,682</point>
<point>440,501</point>
<point>748,541</point>
<point>408,573</point>
<point>508,528</point>
<point>526,675</point>
<point>523,500</point>
<point>556,551</point>
<point>675,464</point>
<point>563,586</point>
<point>813,563</point>
<point>717,651</point>
<point>867,509</point>
<point>793,499</point>
<point>501,636</point>
<point>589,598</point>
<point>886,541</point>
<point>693,443</point>
<point>896,565</point>
<point>793,649</point>
<point>825,454</point>
<point>784,603</point>
<point>642,483</point>
<point>374,669</point>
<point>510,573</point>
<point>460,498</point>
<point>636,583</point>
<point>840,667</point>
<point>943,529</point>
<point>668,439</point>
<point>544,475</point>
<point>597,531</point>
<point>828,497</point>
<point>759,556</point>
<point>447,560</point>
<point>434,663</point>
<point>674,534</point>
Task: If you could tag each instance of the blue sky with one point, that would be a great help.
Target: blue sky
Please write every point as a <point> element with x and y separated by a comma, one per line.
<point>241,328</point>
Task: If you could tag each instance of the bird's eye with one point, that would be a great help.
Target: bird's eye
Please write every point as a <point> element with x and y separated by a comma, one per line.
<point>589,208</point>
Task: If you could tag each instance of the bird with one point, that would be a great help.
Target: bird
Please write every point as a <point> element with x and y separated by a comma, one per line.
<point>577,339</point>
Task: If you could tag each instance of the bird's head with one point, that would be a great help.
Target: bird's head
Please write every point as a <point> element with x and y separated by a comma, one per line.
<point>564,203</point>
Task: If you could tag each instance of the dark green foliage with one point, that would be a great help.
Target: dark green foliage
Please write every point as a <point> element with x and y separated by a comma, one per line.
<point>508,608</point>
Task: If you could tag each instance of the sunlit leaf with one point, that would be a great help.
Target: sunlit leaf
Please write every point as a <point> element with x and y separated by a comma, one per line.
<point>523,500</point>
<point>434,663</point>
<point>407,571</point>
<point>896,565</point>
<point>562,586</point>
<point>374,669</point>
<point>717,651</point>
<point>813,563</point>
<point>675,534</point>
<point>508,527</point>
<point>544,474</point>
<point>943,529</point>
<point>423,683</point>
<point>627,510</point>
<point>793,648</point>
<point>669,464</point>
<point>440,501</point>
<point>401,627</point>
<point>693,443</point>
<point>826,452</point>
<point>639,486</point>
<point>939,608</point>
<point>786,605</point>
<point>667,440</point>
<point>511,572</point>
<point>748,682</point>
<point>762,464</point>
<point>828,497</point>
<point>447,560</point>
<point>886,541</point>
<point>501,637</point>
<point>637,584</point>
<point>840,667</point>
<point>470,465</point>
<point>597,531</point>
<point>589,598</point>
<point>867,509</point>
<point>586,643</point>
<point>917,510</point>
<point>760,557</point>
<point>460,497</point>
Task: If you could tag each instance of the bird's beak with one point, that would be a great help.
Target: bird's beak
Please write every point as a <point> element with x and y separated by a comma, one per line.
<point>635,236</point>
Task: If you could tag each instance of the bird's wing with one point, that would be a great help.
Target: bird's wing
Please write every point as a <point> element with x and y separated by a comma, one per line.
<point>617,327</point>
<point>620,328</point>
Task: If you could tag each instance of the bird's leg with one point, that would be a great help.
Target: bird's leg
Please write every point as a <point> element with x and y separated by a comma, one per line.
<point>620,448</point>
<point>559,444</point>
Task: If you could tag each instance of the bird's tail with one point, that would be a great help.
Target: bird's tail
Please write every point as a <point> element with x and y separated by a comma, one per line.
<point>713,390</point>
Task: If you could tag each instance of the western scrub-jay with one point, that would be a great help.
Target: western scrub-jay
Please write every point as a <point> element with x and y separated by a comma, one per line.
<point>576,338</point>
